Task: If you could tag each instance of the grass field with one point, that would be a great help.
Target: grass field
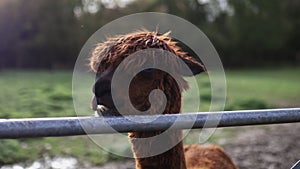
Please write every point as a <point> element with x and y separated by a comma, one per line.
<point>48,94</point>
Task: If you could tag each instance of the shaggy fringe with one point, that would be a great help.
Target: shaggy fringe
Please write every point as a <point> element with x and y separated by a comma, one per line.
<point>115,49</point>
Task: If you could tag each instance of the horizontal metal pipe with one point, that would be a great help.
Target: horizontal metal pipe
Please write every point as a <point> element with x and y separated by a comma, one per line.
<point>67,126</point>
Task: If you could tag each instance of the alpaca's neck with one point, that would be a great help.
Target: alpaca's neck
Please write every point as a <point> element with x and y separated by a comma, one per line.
<point>165,151</point>
<point>169,159</point>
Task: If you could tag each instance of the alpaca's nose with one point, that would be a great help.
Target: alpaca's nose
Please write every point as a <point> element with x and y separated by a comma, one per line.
<point>102,89</point>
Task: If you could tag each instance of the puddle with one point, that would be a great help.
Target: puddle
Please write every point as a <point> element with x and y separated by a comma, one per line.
<point>47,163</point>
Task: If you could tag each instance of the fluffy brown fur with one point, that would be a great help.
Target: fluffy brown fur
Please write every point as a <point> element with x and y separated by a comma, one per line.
<point>105,59</point>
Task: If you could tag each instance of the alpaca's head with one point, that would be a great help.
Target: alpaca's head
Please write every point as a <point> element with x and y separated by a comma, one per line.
<point>108,56</point>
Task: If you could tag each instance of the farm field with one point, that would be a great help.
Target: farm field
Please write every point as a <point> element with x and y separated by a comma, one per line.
<point>27,94</point>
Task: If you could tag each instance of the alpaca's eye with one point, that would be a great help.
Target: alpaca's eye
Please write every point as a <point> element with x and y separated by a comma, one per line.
<point>148,72</point>
<point>97,76</point>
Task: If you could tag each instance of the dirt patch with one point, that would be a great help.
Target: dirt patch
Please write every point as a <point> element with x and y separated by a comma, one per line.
<point>266,147</point>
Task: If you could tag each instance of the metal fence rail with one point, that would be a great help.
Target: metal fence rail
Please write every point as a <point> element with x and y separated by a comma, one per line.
<point>67,126</point>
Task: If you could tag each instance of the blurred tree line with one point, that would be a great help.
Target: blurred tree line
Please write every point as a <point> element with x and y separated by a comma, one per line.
<point>49,34</point>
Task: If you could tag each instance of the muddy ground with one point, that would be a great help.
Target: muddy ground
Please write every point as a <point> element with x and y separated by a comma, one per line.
<point>259,147</point>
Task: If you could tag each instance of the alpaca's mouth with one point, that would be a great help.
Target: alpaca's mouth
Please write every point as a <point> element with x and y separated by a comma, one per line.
<point>100,110</point>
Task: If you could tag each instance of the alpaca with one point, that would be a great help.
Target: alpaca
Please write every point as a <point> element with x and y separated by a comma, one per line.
<point>105,59</point>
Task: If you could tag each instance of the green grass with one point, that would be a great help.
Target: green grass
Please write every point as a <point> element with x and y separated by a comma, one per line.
<point>42,94</point>
<point>35,94</point>
<point>48,94</point>
<point>279,87</point>
<point>252,89</point>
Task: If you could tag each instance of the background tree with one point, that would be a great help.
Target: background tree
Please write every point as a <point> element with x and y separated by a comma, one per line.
<point>49,34</point>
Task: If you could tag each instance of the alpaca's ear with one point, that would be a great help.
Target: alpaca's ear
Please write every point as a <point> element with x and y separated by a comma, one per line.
<point>194,66</point>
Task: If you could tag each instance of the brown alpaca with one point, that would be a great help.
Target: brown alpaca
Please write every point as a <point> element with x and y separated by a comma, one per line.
<point>105,59</point>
